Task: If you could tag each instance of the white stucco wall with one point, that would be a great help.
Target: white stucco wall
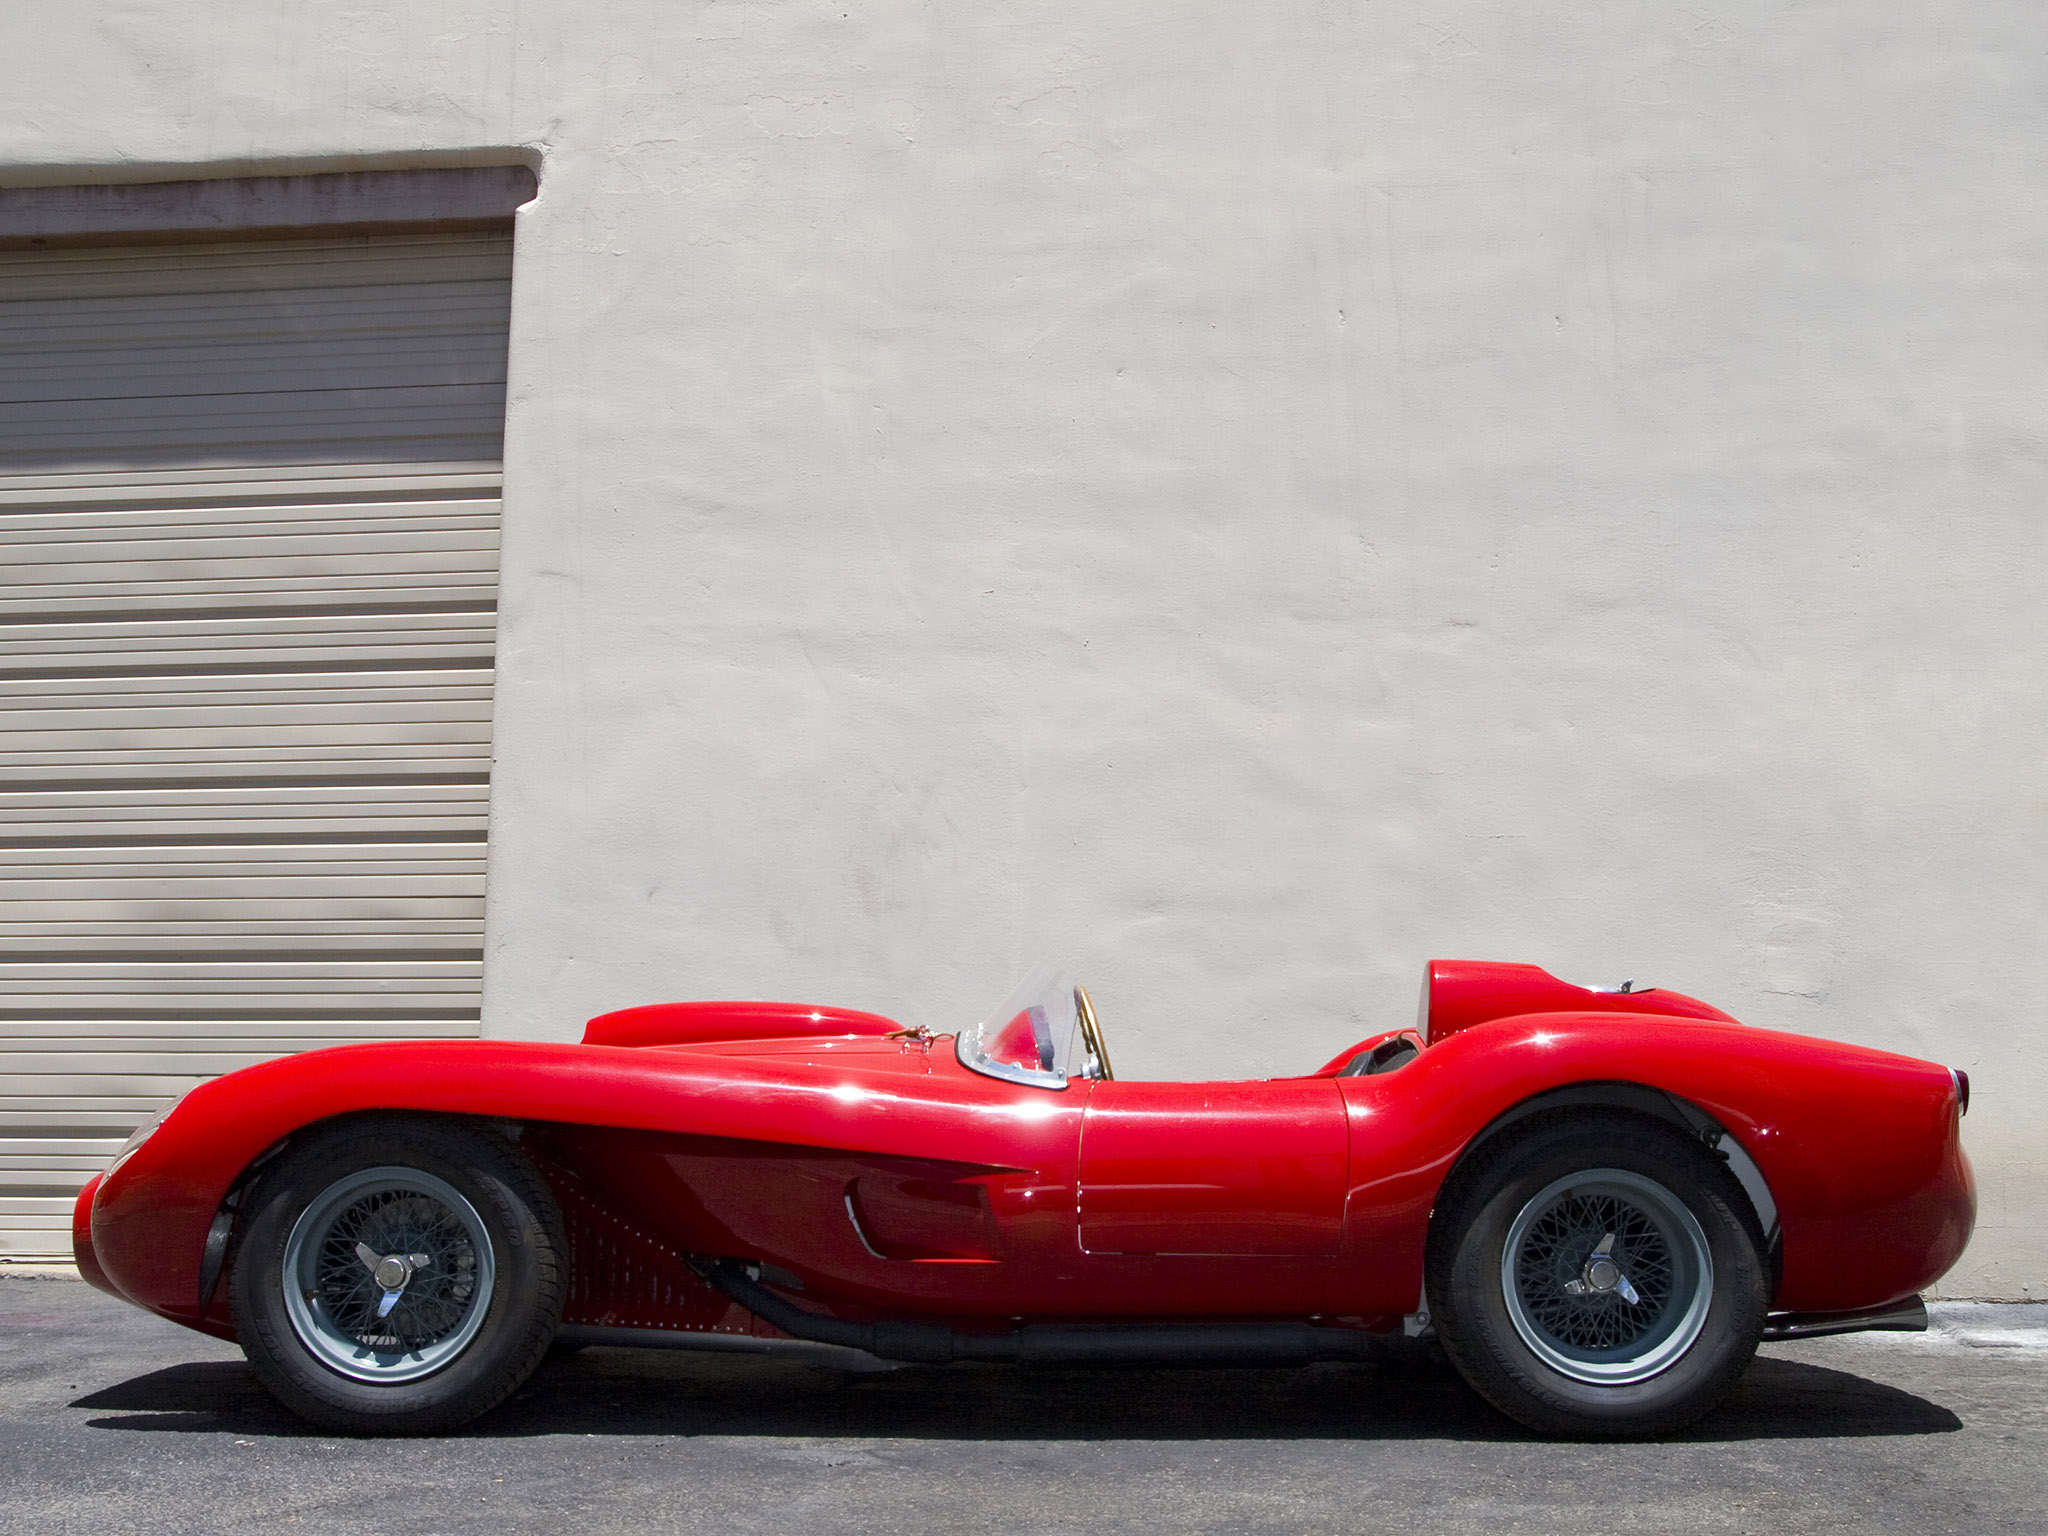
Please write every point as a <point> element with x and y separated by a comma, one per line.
<point>1249,497</point>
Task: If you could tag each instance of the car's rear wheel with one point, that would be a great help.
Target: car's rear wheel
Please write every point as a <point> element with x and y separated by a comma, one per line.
<point>1597,1275</point>
<point>398,1274</point>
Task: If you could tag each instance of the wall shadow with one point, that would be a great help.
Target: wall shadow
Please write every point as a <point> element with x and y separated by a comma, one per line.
<point>636,1392</point>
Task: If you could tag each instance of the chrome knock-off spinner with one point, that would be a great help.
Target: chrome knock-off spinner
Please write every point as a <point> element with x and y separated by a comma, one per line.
<point>388,1274</point>
<point>1606,1276</point>
<point>1601,1274</point>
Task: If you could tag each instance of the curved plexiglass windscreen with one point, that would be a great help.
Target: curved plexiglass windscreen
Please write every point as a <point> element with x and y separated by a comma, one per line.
<point>1032,1036</point>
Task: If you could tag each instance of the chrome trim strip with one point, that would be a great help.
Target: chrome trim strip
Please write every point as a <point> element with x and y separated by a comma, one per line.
<point>1751,1178</point>
<point>971,1057</point>
<point>860,1231</point>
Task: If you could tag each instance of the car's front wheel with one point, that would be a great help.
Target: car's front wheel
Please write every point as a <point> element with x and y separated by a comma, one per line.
<point>1597,1275</point>
<point>398,1274</point>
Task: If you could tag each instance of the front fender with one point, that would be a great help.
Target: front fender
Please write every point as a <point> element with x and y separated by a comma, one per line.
<point>150,1215</point>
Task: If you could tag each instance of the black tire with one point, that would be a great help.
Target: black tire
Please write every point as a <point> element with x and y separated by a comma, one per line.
<point>1561,1345</point>
<point>460,1333</point>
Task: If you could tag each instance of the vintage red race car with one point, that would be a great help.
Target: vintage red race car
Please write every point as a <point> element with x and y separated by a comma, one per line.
<point>1598,1200</point>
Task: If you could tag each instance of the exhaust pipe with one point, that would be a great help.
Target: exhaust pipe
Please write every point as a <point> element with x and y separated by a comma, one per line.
<point>1044,1343</point>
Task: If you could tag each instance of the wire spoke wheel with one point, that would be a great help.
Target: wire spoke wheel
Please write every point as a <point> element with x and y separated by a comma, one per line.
<point>388,1275</point>
<point>1596,1272</point>
<point>1607,1276</point>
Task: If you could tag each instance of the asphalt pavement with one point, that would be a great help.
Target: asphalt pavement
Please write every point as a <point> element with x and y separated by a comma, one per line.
<point>113,1421</point>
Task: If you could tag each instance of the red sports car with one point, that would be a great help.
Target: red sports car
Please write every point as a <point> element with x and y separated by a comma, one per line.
<point>1598,1200</point>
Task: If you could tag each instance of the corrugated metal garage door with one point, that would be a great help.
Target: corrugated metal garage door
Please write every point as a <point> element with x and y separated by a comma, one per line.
<point>248,566</point>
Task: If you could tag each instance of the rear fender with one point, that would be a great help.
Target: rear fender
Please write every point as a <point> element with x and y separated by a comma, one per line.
<point>1855,1151</point>
<point>1655,1103</point>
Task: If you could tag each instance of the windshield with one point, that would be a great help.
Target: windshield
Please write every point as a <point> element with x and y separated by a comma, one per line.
<point>1033,1036</point>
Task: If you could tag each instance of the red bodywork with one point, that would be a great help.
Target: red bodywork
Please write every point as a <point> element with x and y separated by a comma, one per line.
<point>883,1179</point>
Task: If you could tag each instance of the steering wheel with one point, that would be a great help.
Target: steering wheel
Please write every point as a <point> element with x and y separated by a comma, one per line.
<point>1091,1033</point>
